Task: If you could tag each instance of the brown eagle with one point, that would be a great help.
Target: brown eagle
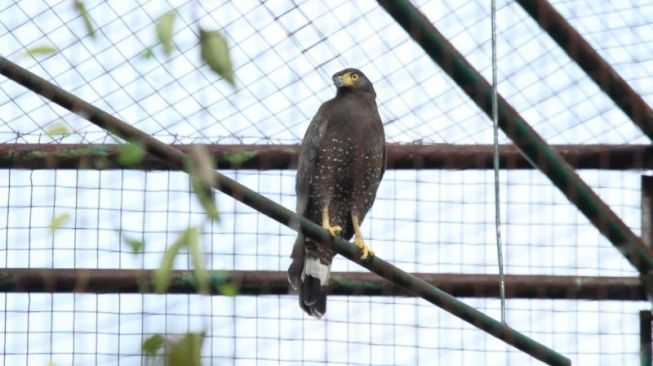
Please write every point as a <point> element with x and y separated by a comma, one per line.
<point>341,163</point>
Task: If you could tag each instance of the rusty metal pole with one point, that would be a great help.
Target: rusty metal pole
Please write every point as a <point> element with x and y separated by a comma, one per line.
<point>342,283</point>
<point>260,157</point>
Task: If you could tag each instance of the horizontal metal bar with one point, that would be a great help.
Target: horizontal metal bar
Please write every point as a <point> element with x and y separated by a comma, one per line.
<point>342,283</point>
<point>281,214</point>
<point>261,157</point>
<point>530,143</point>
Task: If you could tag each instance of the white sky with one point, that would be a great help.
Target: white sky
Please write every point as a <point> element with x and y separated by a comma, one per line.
<point>284,54</point>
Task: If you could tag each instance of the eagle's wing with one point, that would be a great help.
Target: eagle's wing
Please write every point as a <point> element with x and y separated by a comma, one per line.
<point>307,161</point>
<point>306,171</point>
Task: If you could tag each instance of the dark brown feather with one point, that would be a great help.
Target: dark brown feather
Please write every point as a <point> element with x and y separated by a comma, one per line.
<point>341,163</point>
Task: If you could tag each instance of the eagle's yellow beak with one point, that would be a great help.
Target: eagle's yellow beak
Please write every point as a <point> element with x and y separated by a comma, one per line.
<point>344,80</point>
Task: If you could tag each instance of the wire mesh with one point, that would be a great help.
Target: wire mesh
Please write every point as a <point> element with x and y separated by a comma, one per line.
<point>284,54</point>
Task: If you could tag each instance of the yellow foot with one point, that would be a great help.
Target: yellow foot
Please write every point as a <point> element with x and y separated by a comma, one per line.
<point>333,230</point>
<point>360,243</point>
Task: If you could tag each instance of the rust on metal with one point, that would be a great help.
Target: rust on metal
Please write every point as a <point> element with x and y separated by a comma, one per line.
<point>262,157</point>
<point>342,283</point>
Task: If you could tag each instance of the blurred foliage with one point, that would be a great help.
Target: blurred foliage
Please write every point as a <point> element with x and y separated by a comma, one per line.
<point>57,129</point>
<point>130,153</point>
<point>215,52</point>
<point>88,23</point>
<point>153,344</point>
<point>188,239</point>
<point>42,50</point>
<point>135,245</point>
<point>238,158</point>
<point>165,25</point>
<point>202,179</point>
<point>58,220</point>
<point>163,273</point>
<point>169,351</point>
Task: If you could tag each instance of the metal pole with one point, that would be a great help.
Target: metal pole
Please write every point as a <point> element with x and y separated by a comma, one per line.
<point>527,140</point>
<point>645,338</point>
<point>342,283</point>
<point>647,209</point>
<point>281,214</point>
<point>400,156</point>
<point>579,50</point>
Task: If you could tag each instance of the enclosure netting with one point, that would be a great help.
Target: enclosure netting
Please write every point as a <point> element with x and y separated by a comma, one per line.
<point>284,54</point>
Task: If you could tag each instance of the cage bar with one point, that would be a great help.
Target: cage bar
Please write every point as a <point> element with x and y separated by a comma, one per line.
<point>579,50</point>
<point>646,338</point>
<point>528,141</point>
<point>342,283</point>
<point>262,157</point>
<point>282,215</point>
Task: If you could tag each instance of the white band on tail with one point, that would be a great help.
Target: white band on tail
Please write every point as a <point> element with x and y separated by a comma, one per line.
<point>314,268</point>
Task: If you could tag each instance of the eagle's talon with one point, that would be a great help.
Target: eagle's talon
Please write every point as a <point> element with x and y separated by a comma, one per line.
<point>360,243</point>
<point>333,230</point>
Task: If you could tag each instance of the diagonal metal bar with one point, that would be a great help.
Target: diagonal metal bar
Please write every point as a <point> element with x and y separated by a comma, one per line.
<point>532,146</point>
<point>284,216</point>
<point>579,50</point>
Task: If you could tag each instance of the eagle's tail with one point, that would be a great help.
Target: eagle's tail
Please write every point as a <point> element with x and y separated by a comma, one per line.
<point>309,276</point>
<point>312,293</point>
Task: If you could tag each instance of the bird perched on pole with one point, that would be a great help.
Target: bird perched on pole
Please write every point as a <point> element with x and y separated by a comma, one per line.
<point>341,163</point>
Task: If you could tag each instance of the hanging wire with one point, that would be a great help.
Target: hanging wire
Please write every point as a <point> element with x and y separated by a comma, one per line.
<point>497,200</point>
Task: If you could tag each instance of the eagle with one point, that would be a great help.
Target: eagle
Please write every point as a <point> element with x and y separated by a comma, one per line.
<point>341,164</point>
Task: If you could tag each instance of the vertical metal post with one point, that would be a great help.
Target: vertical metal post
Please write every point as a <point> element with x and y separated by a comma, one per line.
<point>646,316</point>
<point>645,341</point>
<point>647,210</point>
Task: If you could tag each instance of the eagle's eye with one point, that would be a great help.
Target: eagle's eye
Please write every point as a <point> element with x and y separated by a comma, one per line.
<point>354,77</point>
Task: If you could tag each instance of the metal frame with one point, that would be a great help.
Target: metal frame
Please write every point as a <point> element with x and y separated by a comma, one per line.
<point>180,160</point>
<point>343,283</point>
<point>532,146</point>
<point>261,157</point>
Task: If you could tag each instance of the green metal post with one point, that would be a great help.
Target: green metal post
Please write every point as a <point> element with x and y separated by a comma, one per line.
<point>532,146</point>
<point>284,216</point>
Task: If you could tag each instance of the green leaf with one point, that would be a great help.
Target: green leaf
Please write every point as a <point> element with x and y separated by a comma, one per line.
<point>147,53</point>
<point>135,244</point>
<point>187,351</point>
<point>164,27</point>
<point>227,289</point>
<point>215,52</point>
<point>237,158</point>
<point>41,50</point>
<point>57,129</point>
<point>153,344</point>
<point>58,221</point>
<point>130,153</point>
<point>202,179</point>
<point>163,273</point>
<point>81,9</point>
<point>201,275</point>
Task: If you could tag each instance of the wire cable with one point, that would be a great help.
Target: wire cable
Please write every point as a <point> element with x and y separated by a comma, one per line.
<point>497,197</point>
